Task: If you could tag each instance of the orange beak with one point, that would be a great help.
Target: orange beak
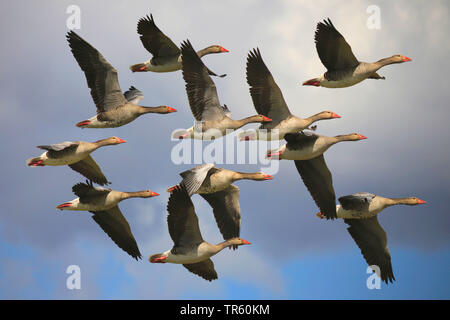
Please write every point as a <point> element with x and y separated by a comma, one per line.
<point>222,49</point>
<point>83,123</point>
<point>169,109</point>
<point>405,59</point>
<point>153,194</point>
<point>421,201</point>
<point>265,119</point>
<point>64,205</point>
<point>311,83</point>
<point>267,177</point>
<point>361,137</point>
<point>245,242</point>
<point>158,259</point>
<point>121,140</point>
<point>335,115</point>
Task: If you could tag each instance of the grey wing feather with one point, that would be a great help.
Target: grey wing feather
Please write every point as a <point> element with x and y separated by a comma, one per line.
<point>133,95</point>
<point>117,228</point>
<point>86,192</point>
<point>372,241</point>
<point>227,211</point>
<point>182,220</point>
<point>200,88</point>
<point>100,74</point>
<point>154,40</point>
<point>300,140</point>
<point>90,169</point>
<point>204,269</point>
<point>319,182</point>
<point>266,95</point>
<point>334,52</point>
<point>59,146</point>
<point>358,201</point>
<point>194,177</point>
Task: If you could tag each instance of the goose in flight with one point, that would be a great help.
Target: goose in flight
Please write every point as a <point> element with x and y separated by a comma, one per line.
<point>307,149</point>
<point>113,108</point>
<point>343,69</point>
<point>215,186</point>
<point>210,115</point>
<point>189,248</point>
<point>166,54</point>
<point>75,154</point>
<point>360,211</point>
<point>103,203</point>
<point>268,100</point>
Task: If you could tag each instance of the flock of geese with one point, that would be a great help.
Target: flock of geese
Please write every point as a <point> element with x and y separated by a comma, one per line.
<point>215,185</point>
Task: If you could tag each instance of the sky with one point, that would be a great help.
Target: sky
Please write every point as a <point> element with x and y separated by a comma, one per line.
<point>294,255</point>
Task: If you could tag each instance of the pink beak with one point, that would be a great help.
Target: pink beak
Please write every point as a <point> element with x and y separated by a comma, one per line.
<point>361,137</point>
<point>158,259</point>
<point>311,83</point>
<point>405,59</point>
<point>140,69</point>
<point>183,135</point>
<point>83,123</point>
<point>335,115</point>
<point>274,154</point>
<point>64,205</point>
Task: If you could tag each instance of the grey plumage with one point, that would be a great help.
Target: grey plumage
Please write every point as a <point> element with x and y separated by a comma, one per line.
<point>358,201</point>
<point>267,97</point>
<point>200,88</point>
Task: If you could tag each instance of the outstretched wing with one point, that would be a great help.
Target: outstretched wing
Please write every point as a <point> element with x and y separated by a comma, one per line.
<point>194,177</point>
<point>182,220</point>
<point>156,42</point>
<point>204,269</point>
<point>133,95</point>
<point>266,95</point>
<point>117,228</point>
<point>200,88</point>
<point>334,52</point>
<point>371,239</point>
<point>90,169</point>
<point>317,178</point>
<point>227,211</point>
<point>100,74</point>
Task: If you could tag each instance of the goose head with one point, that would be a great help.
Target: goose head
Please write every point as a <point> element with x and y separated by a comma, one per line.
<point>238,242</point>
<point>113,141</point>
<point>216,49</point>
<point>398,58</point>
